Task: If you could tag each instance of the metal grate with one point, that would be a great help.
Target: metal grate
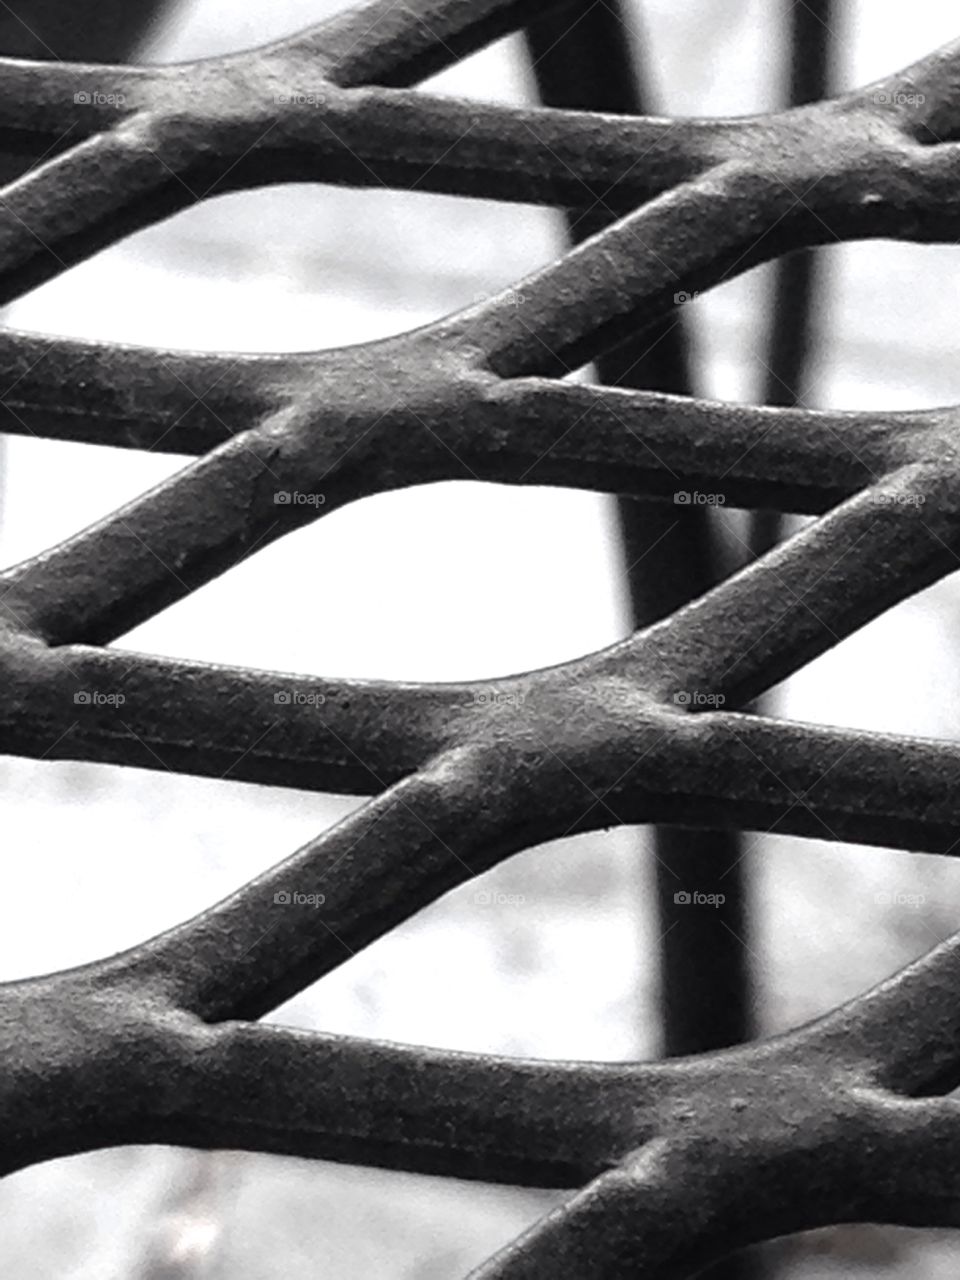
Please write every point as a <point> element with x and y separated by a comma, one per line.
<point>683,1161</point>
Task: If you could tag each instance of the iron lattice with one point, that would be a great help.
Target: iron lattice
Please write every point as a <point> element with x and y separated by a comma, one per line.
<point>842,1120</point>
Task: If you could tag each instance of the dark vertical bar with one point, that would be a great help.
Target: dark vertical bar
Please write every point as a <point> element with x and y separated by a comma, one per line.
<point>671,554</point>
<point>798,276</point>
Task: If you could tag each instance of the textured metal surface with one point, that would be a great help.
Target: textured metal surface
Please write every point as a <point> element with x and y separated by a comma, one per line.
<point>683,1161</point>
<point>671,554</point>
<point>798,278</point>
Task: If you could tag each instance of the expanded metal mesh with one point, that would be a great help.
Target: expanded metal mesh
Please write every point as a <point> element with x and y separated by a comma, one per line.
<point>680,1162</point>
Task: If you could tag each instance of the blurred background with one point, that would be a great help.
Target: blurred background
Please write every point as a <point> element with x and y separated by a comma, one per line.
<point>564,953</point>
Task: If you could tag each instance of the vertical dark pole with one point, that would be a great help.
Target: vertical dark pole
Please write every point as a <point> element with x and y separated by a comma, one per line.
<point>671,554</point>
<point>798,276</point>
